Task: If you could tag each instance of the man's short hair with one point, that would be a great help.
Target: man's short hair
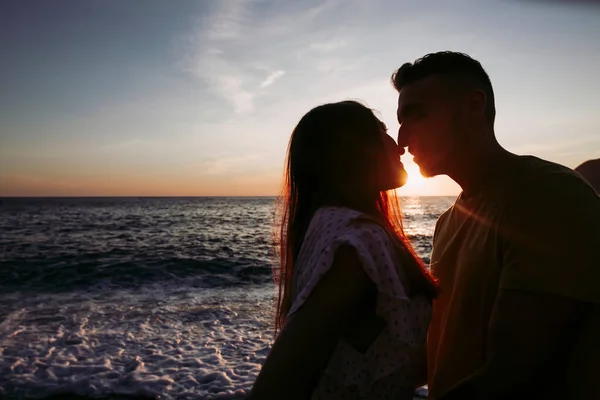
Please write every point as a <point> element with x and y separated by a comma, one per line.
<point>459,68</point>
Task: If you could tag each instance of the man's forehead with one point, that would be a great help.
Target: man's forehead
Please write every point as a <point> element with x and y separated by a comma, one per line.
<point>420,91</point>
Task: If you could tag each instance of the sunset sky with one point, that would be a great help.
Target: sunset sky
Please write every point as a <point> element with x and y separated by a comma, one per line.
<point>200,97</point>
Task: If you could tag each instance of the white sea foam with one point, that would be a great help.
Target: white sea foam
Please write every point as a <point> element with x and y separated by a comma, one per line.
<point>176,343</point>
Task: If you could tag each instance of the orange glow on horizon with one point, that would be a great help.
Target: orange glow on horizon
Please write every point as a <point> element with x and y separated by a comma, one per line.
<point>188,183</point>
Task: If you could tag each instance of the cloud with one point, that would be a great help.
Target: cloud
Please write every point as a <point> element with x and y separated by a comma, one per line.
<point>272,78</point>
<point>211,60</point>
<point>326,47</point>
<point>227,22</point>
<point>319,9</point>
<point>223,54</point>
<point>563,2</point>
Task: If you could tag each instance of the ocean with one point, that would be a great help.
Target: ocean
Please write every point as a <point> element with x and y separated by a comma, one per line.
<point>167,298</point>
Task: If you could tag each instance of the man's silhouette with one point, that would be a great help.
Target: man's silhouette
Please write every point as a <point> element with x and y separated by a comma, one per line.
<point>517,256</point>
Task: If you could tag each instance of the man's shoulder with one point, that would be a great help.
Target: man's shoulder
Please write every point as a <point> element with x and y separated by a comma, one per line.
<point>550,195</point>
<point>533,168</point>
<point>443,221</point>
<point>538,179</point>
<point>444,215</point>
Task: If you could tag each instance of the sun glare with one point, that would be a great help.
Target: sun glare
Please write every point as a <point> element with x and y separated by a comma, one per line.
<point>416,184</point>
<point>415,180</point>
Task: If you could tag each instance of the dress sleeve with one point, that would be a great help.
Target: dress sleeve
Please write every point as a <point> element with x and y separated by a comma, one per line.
<point>400,346</point>
<point>375,252</point>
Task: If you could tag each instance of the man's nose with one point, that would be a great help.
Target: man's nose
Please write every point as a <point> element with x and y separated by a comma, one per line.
<point>402,137</point>
<point>401,151</point>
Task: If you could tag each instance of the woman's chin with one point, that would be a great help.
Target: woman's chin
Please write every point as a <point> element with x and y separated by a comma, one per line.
<point>402,178</point>
<point>399,179</point>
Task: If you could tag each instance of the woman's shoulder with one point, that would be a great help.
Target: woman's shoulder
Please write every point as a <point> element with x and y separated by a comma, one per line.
<point>335,214</point>
<point>336,219</point>
<point>331,225</point>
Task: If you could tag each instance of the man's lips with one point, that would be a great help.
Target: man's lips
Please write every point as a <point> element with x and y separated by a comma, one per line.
<point>413,152</point>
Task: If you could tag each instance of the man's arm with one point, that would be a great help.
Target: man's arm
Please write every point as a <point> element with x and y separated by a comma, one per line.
<point>308,338</point>
<point>528,334</point>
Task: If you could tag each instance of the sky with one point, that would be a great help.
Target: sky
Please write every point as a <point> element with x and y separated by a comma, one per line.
<point>199,98</point>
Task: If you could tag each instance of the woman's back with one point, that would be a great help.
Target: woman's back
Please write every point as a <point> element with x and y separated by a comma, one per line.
<point>385,358</point>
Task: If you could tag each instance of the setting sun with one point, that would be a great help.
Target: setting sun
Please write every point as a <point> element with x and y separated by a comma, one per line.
<point>416,181</point>
<point>418,185</point>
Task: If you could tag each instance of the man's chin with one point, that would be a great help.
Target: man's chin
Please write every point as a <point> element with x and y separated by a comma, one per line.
<point>426,172</point>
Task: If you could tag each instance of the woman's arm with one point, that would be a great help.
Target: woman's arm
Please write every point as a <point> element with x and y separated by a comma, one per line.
<point>308,338</point>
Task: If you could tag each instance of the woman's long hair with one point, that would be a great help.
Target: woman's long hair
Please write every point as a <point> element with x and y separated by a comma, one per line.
<point>334,158</point>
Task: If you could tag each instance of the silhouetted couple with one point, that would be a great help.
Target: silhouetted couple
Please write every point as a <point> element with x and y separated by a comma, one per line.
<point>511,307</point>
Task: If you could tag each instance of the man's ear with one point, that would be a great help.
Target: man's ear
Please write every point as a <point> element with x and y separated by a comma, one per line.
<point>476,102</point>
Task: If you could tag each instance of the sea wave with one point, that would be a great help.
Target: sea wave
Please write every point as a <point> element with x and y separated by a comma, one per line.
<point>63,272</point>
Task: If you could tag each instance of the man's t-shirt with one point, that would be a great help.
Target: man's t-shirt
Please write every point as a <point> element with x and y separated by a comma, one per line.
<point>536,229</point>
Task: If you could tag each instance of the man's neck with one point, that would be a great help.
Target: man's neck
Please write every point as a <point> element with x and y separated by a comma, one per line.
<point>478,169</point>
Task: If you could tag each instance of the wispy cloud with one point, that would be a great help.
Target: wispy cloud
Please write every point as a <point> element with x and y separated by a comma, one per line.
<point>272,78</point>
<point>326,5</point>
<point>224,55</point>
<point>227,22</point>
<point>328,46</point>
<point>210,58</point>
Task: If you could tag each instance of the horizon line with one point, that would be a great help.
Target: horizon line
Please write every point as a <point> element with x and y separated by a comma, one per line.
<point>175,196</point>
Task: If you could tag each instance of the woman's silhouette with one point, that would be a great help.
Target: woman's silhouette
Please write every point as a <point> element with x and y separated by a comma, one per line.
<point>354,299</point>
